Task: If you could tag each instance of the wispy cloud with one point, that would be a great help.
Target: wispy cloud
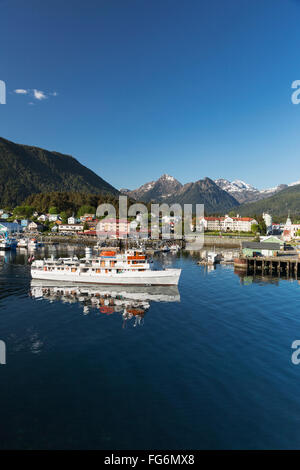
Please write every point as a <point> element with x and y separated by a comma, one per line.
<point>21,91</point>
<point>38,95</point>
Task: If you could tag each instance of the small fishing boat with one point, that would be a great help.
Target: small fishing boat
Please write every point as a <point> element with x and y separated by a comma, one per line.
<point>23,243</point>
<point>174,248</point>
<point>211,259</point>
<point>7,243</point>
<point>32,244</point>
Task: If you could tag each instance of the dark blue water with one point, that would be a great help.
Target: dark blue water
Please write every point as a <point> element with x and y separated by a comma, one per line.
<point>211,371</point>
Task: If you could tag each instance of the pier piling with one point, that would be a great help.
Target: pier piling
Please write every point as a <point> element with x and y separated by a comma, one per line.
<point>289,265</point>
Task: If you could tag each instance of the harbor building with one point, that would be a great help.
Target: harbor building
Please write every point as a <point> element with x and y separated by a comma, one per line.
<point>227,223</point>
<point>70,228</point>
<point>272,239</point>
<point>113,228</point>
<point>10,227</point>
<point>260,249</point>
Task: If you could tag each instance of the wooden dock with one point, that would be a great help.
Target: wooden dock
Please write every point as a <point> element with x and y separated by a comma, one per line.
<point>277,265</point>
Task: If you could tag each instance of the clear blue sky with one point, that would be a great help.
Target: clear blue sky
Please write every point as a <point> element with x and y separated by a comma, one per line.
<point>193,88</point>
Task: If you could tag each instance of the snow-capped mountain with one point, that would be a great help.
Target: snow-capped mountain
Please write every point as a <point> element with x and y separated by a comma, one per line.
<point>241,191</point>
<point>244,192</point>
<point>294,184</point>
<point>270,191</point>
<point>168,189</point>
<point>162,188</point>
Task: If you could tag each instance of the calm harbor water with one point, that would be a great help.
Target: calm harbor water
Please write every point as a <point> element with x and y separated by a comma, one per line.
<point>205,367</point>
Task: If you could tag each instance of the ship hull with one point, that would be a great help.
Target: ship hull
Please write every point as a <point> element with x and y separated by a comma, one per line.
<point>168,277</point>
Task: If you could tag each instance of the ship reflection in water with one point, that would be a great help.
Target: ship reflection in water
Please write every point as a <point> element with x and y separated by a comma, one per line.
<point>132,302</point>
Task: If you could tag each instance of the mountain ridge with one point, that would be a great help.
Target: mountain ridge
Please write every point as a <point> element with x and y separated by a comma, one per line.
<point>278,205</point>
<point>169,190</point>
<point>26,170</point>
<point>242,192</point>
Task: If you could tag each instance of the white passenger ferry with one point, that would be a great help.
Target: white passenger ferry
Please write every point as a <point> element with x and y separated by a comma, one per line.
<point>108,267</point>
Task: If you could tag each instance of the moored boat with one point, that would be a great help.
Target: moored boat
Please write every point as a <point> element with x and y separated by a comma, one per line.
<point>109,267</point>
<point>7,243</point>
<point>212,257</point>
<point>32,244</point>
<point>240,263</point>
<point>174,248</point>
<point>22,243</point>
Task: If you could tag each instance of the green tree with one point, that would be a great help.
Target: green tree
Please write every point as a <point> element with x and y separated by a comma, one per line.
<point>24,211</point>
<point>53,210</point>
<point>232,214</point>
<point>254,228</point>
<point>64,217</point>
<point>86,209</point>
<point>262,227</point>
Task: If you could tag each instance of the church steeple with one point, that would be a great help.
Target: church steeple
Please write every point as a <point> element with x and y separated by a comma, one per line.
<point>288,220</point>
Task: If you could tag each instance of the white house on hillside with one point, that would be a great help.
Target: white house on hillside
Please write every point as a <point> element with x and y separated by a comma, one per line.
<point>42,218</point>
<point>34,227</point>
<point>54,217</point>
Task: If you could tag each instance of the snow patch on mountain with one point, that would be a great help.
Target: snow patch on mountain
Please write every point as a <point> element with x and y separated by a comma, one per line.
<point>167,177</point>
<point>294,184</point>
<point>245,192</point>
<point>234,186</point>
